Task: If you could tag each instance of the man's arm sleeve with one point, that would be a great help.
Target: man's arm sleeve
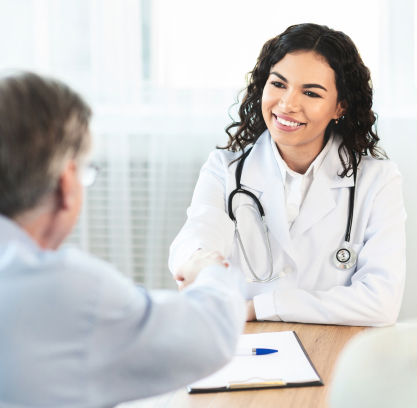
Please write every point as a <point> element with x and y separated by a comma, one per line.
<point>146,343</point>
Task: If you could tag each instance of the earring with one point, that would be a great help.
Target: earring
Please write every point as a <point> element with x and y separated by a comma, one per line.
<point>336,121</point>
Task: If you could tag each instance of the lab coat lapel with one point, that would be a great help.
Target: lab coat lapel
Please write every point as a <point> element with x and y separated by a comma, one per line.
<point>319,200</point>
<point>261,173</point>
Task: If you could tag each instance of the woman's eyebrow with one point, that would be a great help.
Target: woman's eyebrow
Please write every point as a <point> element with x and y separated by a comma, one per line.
<point>314,86</point>
<point>306,86</point>
<point>279,76</point>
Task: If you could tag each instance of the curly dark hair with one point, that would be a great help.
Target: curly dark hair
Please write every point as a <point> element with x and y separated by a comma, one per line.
<point>353,83</point>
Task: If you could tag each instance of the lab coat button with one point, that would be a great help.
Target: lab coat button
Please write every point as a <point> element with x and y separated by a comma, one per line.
<point>288,269</point>
<point>281,275</point>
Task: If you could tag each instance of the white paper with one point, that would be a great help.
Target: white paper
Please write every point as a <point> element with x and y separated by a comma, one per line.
<point>290,364</point>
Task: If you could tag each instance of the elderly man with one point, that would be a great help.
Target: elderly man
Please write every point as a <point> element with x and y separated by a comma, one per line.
<point>74,332</point>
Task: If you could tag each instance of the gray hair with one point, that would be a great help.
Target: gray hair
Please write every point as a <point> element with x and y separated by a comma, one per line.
<point>43,123</point>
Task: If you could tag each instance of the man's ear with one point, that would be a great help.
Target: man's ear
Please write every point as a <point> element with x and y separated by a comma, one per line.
<point>67,186</point>
<point>341,109</point>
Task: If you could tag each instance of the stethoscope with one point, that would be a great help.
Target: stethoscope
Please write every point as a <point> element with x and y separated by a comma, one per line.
<point>344,257</point>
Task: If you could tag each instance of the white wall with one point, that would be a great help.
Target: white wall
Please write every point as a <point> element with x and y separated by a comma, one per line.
<point>396,101</point>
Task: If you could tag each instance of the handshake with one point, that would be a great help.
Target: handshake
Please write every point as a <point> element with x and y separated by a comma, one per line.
<point>188,273</point>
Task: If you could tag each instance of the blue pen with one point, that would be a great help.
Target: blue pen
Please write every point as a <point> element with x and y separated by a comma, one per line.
<point>254,351</point>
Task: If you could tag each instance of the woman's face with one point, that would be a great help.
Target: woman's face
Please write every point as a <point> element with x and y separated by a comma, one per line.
<point>301,89</point>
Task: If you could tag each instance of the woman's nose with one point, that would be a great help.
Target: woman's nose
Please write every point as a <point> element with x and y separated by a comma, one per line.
<point>290,102</point>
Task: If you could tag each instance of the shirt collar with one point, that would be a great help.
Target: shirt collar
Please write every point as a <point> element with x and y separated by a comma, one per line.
<point>314,167</point>
<point>12,231</point>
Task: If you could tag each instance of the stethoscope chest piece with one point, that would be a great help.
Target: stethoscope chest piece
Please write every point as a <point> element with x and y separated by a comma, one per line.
<point>344,258</point>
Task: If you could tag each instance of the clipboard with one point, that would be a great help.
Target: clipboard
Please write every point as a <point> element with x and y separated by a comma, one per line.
<point>290,367</point>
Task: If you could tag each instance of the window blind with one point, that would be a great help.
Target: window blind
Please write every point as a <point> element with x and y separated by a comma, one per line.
<point>138,205</point>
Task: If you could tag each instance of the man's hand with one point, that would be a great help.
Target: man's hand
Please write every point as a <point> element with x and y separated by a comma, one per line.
<point>200,259</point>
<point>251,315</point>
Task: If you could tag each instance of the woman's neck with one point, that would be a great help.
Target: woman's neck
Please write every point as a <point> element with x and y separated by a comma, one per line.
<point>300,157</point>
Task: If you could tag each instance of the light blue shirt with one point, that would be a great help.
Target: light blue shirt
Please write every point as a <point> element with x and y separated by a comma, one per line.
<point>75,333</point>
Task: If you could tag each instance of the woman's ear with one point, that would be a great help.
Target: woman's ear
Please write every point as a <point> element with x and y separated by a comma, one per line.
<point>341,109</point>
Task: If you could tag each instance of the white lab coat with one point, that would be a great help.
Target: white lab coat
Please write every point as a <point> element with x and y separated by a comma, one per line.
<point>313,290</point>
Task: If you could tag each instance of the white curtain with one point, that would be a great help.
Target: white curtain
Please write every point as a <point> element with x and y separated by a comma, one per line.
<point>161,75</point>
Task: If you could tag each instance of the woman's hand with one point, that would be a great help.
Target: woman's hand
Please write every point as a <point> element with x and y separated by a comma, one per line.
<point>251,315</point>
<point>188,273</point>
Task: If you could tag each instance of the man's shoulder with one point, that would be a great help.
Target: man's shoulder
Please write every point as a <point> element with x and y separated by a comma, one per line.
<point>74,258</point>
<point>78,264</point>
<point>87,277</point>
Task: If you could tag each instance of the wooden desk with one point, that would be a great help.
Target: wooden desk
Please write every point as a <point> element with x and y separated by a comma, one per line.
<point>323,344</point>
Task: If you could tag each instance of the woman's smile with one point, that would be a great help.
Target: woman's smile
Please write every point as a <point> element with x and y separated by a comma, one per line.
<point>286,123</point>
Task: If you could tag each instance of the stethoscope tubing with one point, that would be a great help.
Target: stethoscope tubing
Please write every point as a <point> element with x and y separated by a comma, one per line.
<point>351,198</point>
<point>239,190</point>
<point>257,279</point>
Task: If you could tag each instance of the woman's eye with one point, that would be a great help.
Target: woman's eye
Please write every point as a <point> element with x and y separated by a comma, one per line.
<point>312,94</point>
<point>278,84</point>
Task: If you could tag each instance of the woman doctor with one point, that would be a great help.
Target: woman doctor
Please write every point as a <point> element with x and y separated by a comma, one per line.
<point>312,215</point>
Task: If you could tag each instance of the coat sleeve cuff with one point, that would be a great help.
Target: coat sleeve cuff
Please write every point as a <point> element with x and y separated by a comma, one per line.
<point>265,307</point>
<point>181,257</point>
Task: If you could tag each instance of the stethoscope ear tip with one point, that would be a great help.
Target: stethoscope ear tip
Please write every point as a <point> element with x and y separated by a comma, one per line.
<point>249,280</point>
